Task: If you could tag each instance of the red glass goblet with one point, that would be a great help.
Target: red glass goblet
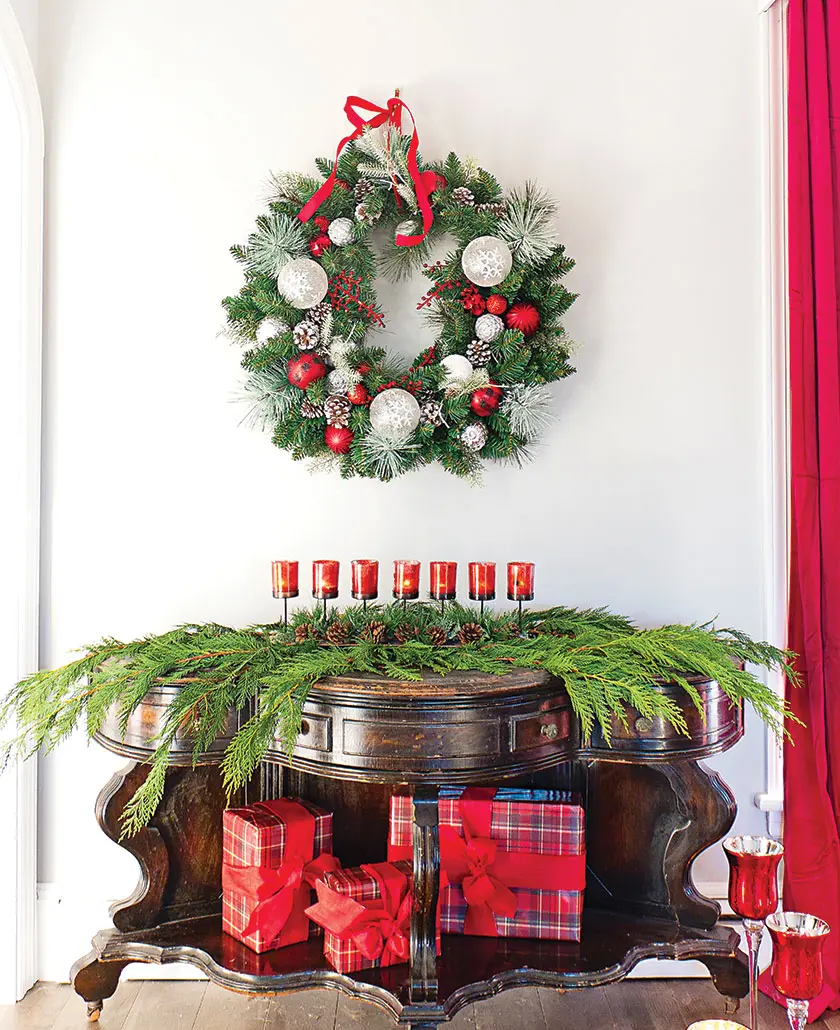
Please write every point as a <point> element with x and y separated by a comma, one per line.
<point>753,895</point>
<point>797,969</point>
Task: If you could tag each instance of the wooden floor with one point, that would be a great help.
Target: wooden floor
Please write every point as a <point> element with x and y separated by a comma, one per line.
<point>184,1005</point>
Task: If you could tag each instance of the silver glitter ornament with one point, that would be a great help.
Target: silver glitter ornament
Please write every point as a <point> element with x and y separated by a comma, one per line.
<point>489,328</point>
<point>474,436</point>
<point>340,231</point>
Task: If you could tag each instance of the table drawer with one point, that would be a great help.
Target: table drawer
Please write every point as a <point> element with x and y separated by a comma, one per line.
<point>552,726</point>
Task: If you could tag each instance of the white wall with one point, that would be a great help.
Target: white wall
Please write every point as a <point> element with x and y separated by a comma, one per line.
<point>163,119</point>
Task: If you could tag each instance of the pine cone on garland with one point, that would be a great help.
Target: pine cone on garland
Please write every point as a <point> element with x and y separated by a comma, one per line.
<point>464,196</point>
<point>405,633</point>
<point>362,189</point>
<point>437,635</point>
<point>478,353</point>
<point>470,632</point>
<point>310,410</point>
<point>376,632</point>
<point>304,632</point>
<point>337,409</point>
<point>338,632</point>
<point>306,335</point>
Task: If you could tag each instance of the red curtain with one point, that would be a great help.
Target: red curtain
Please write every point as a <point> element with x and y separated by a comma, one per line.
<point>812,761</point>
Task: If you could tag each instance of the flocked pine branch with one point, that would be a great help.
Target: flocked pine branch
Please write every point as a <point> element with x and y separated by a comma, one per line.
<point>528,410</point>
<point>278,239</point>
<point>527,224</point>
<point>269,397</point>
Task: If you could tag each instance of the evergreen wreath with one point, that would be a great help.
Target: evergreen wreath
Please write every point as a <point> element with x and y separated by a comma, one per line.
<point>307,313</point>
<point>609,668</point>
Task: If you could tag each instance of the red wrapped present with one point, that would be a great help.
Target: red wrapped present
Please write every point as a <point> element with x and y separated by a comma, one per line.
<point>273,853</point>
<point>366,915</point>
<point>515,861</point>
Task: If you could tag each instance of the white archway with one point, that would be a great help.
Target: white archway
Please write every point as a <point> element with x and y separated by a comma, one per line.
<point>21,260</point>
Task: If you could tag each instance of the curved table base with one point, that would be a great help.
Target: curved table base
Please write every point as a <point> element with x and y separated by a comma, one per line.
<point>469,969</point>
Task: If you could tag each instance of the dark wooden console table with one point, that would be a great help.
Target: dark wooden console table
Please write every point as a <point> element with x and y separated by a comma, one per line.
<point>651,808</point>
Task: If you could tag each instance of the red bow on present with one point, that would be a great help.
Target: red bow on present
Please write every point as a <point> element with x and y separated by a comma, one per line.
<point>470,863</point>
<point>379,928</point>
<point>424,182</point>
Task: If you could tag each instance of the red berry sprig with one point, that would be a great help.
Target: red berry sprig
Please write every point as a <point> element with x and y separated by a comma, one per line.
<point>440,289</point>
<point>346,290</point>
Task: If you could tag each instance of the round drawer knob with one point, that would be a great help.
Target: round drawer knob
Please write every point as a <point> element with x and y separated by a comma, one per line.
<point>549,730</point>
<point>643,724</point>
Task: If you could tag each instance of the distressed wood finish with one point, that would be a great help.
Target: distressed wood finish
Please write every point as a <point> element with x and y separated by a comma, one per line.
<point>651,808</point>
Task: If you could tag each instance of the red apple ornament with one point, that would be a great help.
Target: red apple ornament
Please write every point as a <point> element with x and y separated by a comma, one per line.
<point>524,317</point>
<point>338,439</point>
<point>305,369</point>
<point>485,400</point>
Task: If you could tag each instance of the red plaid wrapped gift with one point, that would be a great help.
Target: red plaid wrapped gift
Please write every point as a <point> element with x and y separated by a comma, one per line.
<point>366,915</point>
<point>273,853</point>
<point>515,861</point>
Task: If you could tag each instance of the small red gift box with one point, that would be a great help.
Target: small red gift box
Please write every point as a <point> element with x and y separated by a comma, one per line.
<point>273,852</point>
<point>366,915</point>
<point>515,861</point>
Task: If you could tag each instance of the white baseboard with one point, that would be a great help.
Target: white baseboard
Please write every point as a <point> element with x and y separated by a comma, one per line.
<point>69,917</point>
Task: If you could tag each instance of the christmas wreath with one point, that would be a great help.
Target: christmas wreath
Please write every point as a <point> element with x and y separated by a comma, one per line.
<point>307,312</point>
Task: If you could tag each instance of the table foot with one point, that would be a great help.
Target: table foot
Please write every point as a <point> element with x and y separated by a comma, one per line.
<point>94,1010</point>
<point>731,1006</point>
<point>95,980</point>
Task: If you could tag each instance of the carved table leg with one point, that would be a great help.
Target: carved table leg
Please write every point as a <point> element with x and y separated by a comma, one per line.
<point>730,977</point>
<point>94,980</point>
<point>423,982</point>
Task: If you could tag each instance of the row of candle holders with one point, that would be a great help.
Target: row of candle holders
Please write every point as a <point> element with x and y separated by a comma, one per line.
<point>364,580</point>
<point>797,970</point>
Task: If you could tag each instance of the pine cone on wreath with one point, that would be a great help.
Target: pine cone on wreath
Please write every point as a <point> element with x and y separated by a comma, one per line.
<point>304,632</point>
<point>431,413</point>
<point>470,632</point>
<point>478,353</point>
<point>362,189</point>
<point>405,633</point>
<point>306,335</point>
<point>338,632</point>
<point>310,410</point>
<point>437,635</point>
<point>464,196</point>
<point>493,207</point>
<point>376,632</point>
<point>319,313</point>
<point>337,409</point>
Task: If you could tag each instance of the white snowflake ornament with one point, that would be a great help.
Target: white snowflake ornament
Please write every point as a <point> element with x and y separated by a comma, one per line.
<point>395,413</point>
<point>486,261</point>
<point>303,282</point>
<point>269,328</point>
<point>340,231</point>
<point>488,328</point>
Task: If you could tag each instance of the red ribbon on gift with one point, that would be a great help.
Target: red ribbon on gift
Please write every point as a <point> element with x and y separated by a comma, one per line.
<point>486,874</point>
<point>378,928</point>
<point>424,182</point>
<point>283,893</point>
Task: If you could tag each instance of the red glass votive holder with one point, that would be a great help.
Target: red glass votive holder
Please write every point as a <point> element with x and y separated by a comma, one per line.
<point>284,579</point>
<point>406,580</point>
<point>364,579</point>
<point>442,578</point>
<point>798,939</point>
<point>520,581</point>
<point>753,875</point>
<point>324,579</point>
<point>482,580</point>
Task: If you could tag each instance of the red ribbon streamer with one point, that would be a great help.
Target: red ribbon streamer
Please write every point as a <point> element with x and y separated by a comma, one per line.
<point>424,182</point>
<point>282,894</point>
<point>485,873</point>
<point>378,928</point>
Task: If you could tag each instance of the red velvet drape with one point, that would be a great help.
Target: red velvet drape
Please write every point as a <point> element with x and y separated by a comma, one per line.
<point>812,762</point>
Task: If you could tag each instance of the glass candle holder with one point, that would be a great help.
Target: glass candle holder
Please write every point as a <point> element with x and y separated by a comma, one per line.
<point>442,578</point>
<point>324,580</point>
<point>284,579</point>
<point>482,580</point>
<point>717,1024</point>
<point>364,579</point>
<point>406,580</point>
<point>797,969</point>
<point>753,895</point>
<point>520,581</point>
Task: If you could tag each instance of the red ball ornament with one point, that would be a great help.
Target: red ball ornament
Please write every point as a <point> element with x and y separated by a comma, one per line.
<point>358,394</point>
<point>338,439</point>
<point>524,317</point>
<point>322,223</point>
<point>319,244</point>
<point>305,369</point>
<point>485,400</point>
<point>496,304</point>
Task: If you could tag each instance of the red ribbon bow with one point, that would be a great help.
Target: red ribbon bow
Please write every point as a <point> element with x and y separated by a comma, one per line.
<point>283,893</point>
<point>424,182</point>
<point>379,928</point>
